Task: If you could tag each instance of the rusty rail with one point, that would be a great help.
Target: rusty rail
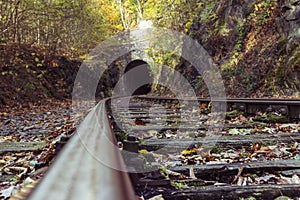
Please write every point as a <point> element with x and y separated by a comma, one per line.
<point>77,174</point>
<point>290,107</point>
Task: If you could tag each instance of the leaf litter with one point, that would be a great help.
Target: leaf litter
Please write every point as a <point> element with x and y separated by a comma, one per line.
<point>49,124</point>
<point>234,126</point>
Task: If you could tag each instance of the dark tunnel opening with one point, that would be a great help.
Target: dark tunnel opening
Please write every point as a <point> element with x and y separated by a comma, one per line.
<point>140,75</point>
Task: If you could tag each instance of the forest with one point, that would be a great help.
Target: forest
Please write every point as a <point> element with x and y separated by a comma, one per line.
<point>246,147</point>
<point>80,25</point>
<point>254,43</point>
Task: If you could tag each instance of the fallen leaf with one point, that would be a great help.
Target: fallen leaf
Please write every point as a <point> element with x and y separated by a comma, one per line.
<point>283,198</point>
<point>295,146</point>
<point>237,177</point>
<point>265,179</point>
<point>6,193</point>
<point>240,181</point>
<point>143,151</point>
<point>233,131</point>
<point>159,197</point>
<point>192,173</point>
<point>203,106</point>
<point>139,122</point>
<point>295,179</point>
<point>189,152</point>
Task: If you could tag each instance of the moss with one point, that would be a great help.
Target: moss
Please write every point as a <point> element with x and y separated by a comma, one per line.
<point>121,136</point>
<point>163,171</point>
<point>271,118</point>
<point>185,183</point>
<point>283,198</point>
<point>257,123</point>
<point>248,198</point>
<point>276,78</point>
<point>11,178</point>
<point>233,112</point>
<point>280,73</point>
<point>149,157</point>
<point>179,185</point>
<point>218,149</point>
<point>29,86</point>
<point>266,143</point>
<point>281,44</point>
<point>295,58</point>
<point>191,135</point>
<point>244,153</point>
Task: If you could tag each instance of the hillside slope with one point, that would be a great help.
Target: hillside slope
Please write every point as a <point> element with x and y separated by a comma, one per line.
<point>31,74</point>
<point>255,43</point>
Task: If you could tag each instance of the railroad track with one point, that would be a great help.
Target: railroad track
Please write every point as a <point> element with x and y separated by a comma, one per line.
<point>151,146</point>
<point>238,163</point>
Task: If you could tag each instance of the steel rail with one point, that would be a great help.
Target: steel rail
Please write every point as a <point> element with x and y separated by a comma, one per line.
<point>77,175</point>
<point>224,99</point>
<point>231,100</point>
<point>291,107</point>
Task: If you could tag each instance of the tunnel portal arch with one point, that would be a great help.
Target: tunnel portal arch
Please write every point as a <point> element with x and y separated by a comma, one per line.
<point>133,79</point>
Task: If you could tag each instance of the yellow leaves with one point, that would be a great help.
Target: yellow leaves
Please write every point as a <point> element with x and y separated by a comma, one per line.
<point>200,153</point>
<point>53,63</point>
<point>143,151</point>
<point>109,11</point>
<point>263,5</point>
<point>8,138</point>
<point>188,25</point>
<point>3,114</point>
<point>118,27</point>
<point>151,10</point>
<point>203,106</point>
<point>190,152</point>
<point>193,151</point>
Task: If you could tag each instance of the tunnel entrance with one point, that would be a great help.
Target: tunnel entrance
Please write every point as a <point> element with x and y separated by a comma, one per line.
<point>134,79</point>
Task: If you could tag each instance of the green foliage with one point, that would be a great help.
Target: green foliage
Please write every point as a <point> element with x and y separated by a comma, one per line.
<point>179,185</point>
<point>172,14</point>
<point>238,46</point>
<point>163,171</point>
<point>161,58</point>
<point>233,112</point>
<point>261,12</point>
<point>177,14</point>
<point>271,118</point>
<point>283,198</point>
<point>218,149</point>
<point>81,25</point>
<point>249,198</point>
<point>208,13</point>
<point>58,23</point>
<point>240,42</point>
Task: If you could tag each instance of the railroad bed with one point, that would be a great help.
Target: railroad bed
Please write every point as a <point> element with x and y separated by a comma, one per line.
<point>179,150</point>
<point>254,155</point>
